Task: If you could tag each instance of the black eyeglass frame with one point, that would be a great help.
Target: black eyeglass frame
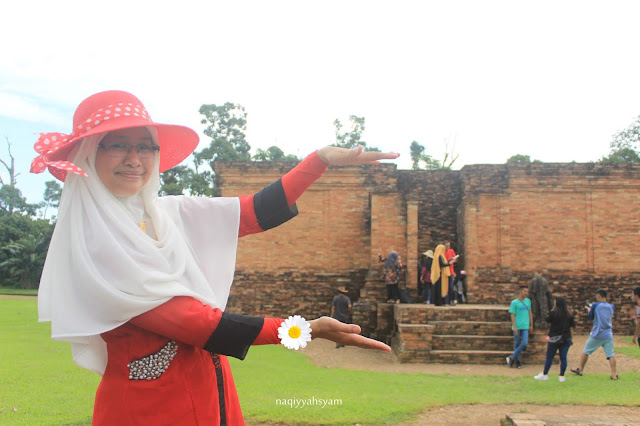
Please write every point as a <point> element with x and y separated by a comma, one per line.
<point>153,149</point>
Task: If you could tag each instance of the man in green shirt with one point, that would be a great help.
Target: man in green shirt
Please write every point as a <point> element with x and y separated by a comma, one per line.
<point>521,324</point>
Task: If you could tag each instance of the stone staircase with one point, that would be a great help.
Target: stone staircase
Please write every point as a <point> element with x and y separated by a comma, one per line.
<point>468,334</point>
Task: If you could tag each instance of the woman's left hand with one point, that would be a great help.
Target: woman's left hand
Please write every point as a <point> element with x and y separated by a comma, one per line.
<point>345,334</point>
<point>337,156</point>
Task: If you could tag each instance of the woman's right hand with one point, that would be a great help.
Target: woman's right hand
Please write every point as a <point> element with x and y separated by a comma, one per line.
<point>345,334</point>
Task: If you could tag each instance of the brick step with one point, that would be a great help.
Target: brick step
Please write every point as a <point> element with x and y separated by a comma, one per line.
<point>470,343</point>
<point>422,314</point>
<point>465,357</point>
<point>478,328</point>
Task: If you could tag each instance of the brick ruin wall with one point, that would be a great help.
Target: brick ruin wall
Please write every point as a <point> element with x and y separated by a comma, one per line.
<point>296,268</point>
<point>575,224</point>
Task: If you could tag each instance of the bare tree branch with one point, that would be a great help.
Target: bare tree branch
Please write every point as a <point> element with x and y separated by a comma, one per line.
<point>12,168</point>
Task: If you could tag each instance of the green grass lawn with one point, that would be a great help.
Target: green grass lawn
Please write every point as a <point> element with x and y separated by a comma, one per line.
<point>20,291</point>
<point>633,351</point>
<point>39,380</point>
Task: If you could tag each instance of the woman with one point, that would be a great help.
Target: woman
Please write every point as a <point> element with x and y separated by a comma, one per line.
<point>138,284</point>
<point>561,322</point>
<point>440,273</point>
<point>392,270</point>
<point>425,276</point>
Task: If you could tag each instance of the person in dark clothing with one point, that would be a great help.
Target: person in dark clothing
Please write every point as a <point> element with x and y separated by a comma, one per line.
<point>340,307</point>
<point>561,321</point>
<point>425,276</point>
<point>421,265</point>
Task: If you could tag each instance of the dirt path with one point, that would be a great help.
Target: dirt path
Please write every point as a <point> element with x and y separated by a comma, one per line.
<point>16,297</point>
<point>324,354</point>
<point>480,415</point>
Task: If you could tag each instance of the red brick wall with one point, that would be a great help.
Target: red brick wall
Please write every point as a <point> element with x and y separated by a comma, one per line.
<point>576,224</point>
<point>296,267</point>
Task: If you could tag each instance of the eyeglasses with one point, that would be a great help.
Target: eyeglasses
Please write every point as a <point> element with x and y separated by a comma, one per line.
<point>121,150</point>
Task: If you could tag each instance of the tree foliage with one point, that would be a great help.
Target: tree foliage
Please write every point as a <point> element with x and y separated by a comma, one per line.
<point>24,243</point>
<point>625,146</point>
<point>11,200</point>
<point>24,240</point>
<point>226,126</point>
<point>25,259</point>
<point>353,137</point>
<point>51,197</point>
<point>519,158</point>
<point>273,153</point>
<point>420,160</point>
<point>175,180</point>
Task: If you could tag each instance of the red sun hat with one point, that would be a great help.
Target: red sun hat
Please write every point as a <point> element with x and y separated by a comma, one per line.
<point>105,112</point>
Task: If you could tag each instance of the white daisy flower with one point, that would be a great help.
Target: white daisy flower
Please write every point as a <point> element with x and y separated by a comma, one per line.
<point>294,332</point>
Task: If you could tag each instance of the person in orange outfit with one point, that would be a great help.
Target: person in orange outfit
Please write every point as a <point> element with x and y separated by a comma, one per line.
<point>138,284</point>
<point>450,257</point>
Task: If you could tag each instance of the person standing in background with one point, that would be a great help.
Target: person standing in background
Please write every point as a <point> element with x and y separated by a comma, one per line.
<point>450,256</point>
<point>521,324</point>
<point>440,276</point>
<point>392,270</point>
<point>636,298</point>
<point>601,313</point>
<point>425,276</point>
<point>340,308</point>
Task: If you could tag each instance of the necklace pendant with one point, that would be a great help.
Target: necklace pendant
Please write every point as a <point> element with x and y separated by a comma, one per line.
<point>143,226</point>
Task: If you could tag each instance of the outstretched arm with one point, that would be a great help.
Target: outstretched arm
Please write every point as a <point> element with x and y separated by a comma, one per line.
<point>187,320</point>
<point>275,204</point>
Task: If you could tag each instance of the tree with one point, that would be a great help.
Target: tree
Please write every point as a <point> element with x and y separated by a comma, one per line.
<point>622,156</point>
<point>226,125</point>
<point>175,181</point>
<point>52,194</point>
<point>15,228</point>
<point>11,200</point>
<point>353,137</point>
<point>450,157</point>
<point>519,158</point>
<point>11,167</point>
<point>273,153</point>
<point>25,260</point>
<point>625,146</point>
<point>419,157</point>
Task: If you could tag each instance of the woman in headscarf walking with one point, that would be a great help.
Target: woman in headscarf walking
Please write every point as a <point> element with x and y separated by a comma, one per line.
<point>440,275</point>
<point>139,284</point>
<point>392,271</point>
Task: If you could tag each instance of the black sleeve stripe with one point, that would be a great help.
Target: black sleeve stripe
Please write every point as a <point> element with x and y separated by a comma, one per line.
<point>234,335</point>
<point>270,205</point>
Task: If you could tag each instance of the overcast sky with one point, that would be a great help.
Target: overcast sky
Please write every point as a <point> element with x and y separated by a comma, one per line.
<point>550,79</point>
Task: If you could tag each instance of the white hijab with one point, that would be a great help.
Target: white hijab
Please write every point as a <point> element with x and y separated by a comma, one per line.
<point>102,269</point>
